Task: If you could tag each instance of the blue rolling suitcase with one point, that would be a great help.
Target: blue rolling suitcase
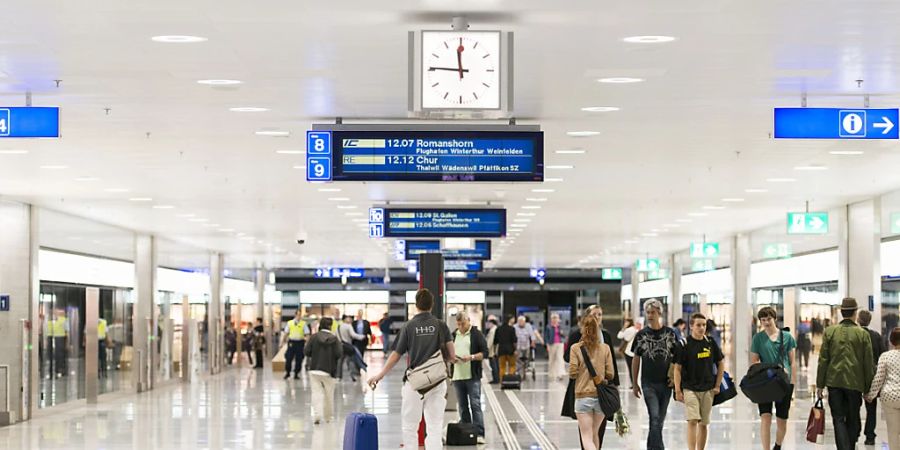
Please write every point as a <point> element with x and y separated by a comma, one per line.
<point>361,432</point>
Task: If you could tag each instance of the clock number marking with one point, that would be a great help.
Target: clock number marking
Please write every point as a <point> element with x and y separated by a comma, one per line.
<point>486,85</point>
<point>475,95</point>
<point>485,56</point>
<point>446,94</point>
<point>435,84</point>
<point>435,55</point>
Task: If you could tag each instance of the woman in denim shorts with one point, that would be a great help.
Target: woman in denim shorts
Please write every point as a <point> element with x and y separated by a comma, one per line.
<point>587,407</point>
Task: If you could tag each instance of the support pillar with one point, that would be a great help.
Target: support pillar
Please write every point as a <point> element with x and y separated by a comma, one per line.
<point>187,337</point>
<point>431,277</point>
<point>742,313</point>
<point>261,311</point>
<point>215,318</point>
<point>635,293</point>
<point>675,307</point>
<point>19,285</point>
<point>859,250</point>
<point>91,347</point>
<point>144,323</point>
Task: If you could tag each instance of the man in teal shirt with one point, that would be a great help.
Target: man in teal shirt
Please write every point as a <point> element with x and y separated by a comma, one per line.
<point>774,346</point>
<point>471,349</point>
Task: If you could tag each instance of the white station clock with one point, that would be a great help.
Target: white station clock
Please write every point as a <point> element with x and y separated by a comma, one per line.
<point>461,70</point>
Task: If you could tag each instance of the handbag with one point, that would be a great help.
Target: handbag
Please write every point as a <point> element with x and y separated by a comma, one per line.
<point>767,382</point>
<point>815,425</point>
<point>727,390</point>
<point>429,374</point>
<point>607,394</point>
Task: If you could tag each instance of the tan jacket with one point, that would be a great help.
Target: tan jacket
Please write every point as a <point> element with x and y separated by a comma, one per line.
<point>602,360</point>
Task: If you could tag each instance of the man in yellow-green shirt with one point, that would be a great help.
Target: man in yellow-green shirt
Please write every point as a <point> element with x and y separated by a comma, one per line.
<point>471,349</point>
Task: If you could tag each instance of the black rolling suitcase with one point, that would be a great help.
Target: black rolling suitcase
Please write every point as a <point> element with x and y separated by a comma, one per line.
<point>511,381</point>
<point>462,434</point>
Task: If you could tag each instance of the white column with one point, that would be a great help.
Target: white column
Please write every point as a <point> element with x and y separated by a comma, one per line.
<point>91,347</point>
<point>635,293</point>
<point>19,281</point>
<point>675,306</point>
<point>261,310</point>
<point>790,308</point>
<point>859,250</point>
<point>742,313</point>
<point>143,321</point>
<point>215,318</point>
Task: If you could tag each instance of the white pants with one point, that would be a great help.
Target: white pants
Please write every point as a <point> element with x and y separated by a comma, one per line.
<point>322,396</point>
<point>892,417</point>
<point>557,364</point>
<point>411,411</point>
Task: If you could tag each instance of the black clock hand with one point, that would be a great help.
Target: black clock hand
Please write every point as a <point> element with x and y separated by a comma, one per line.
<point>452,69</point>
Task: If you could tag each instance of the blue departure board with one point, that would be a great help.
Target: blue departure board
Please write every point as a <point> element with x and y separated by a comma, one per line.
<point>482,250</point>
<point>437,222</point>
<point>434,155</point>
<point>459,265</point>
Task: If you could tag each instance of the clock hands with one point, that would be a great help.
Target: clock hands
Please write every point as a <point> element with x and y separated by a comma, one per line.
<point>452,69</point>
<point>459,51</point>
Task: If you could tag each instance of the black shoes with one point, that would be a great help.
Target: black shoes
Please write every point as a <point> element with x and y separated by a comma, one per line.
<point>287,375</point>
<point>870,441</point>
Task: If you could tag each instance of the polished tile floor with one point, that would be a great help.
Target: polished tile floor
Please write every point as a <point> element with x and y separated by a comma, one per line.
<point>254,409</point>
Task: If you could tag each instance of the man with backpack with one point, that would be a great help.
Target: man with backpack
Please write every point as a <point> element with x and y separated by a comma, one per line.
<point>699,370</point>
<point>427,341</point>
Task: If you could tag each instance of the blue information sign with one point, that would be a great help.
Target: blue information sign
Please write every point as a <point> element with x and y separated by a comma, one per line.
<point>29,122</point>
<point>431,155</point>
<point>482,250</point>
<point>318,156</point>
<point>435,222</point>
<point>836,123</point>
<point>340,273</point>
<point>458,265</point>
<point>4,302</point>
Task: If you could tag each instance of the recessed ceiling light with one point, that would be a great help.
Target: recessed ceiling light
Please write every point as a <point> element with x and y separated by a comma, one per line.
<point>329,189</point>
<point>211,225</point>
<point>732,200</point>
<point>599,109</point>
<point>620,80</point>
<point>220,82</point>
<point>648,39</point>
<point>298,167</point>
<point>522,220</point>
<point>553,180</point>
<point>521,214</point>
<point>632,241</point>
<point>649,234</point>
<point>756,191</point>
<point>570,152</point>
<point>248,109</point>
<point>583,133</point>
<point>140,199</point>
<point>810,168</point>
<point>226,230</point>
<point>559,167</point>
<point>361,220</point>
<point>846,152</point>
<point>54,167</point>
<point>273,133</point>
<point>87,179</point>
<point>781,180</point>
<point>248,238</point>
<point>198,220</point>
<point>518,225</point>
<point>713,207</point>
<point>13,152</point>
<point>339,199</point>
<point>684,220</point>
<point>117,190</point>
<point>531,207</point>
<point>163,207</point>
<point>698,214</point>
<point>543,190</point>
<point>671,225</point>
<point>291,152</point>
<point>186,216</point>
<point>178,39</point>
<point>533,199</point>
<point>655,230</point>
<point>346,206</point>
<point>352,214</point>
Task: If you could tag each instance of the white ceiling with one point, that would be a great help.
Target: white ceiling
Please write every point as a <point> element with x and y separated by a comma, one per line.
<point>694,132</point>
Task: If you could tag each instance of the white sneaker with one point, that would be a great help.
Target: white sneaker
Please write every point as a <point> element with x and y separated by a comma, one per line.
<point>480,440</point>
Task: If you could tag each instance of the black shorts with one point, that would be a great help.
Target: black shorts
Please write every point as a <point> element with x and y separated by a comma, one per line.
<point>782,408</point>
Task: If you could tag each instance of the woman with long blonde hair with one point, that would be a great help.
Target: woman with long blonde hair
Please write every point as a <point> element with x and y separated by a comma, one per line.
<point>587,406</point>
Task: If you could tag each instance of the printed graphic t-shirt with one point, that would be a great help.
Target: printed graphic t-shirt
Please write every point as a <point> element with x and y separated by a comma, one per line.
<point>656,349</point>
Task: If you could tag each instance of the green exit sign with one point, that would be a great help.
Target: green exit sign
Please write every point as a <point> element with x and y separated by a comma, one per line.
<point>895,223</point>
<point>703,265</point>
<point>704,249</point>
<point>782,250</point>
<point>646,265</point>
<point>611,273</point>
<point>807,223</point>
<point>657,274</point>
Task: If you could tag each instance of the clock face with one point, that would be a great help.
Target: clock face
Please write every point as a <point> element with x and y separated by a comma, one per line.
<point>461,70</point>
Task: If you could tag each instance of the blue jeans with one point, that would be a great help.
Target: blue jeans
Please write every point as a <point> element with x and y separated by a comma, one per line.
<point>468,394</point>
<point>656,396</point>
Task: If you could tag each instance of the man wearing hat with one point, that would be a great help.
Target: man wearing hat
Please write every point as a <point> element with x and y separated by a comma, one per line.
<point>846,368</point>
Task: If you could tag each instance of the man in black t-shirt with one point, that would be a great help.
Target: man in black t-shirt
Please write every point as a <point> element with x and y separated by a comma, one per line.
<point>698,374</point>
<point>421,337</point>
<point>654,348</point>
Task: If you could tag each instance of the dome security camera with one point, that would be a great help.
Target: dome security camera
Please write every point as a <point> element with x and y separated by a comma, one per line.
<point>302,237</point>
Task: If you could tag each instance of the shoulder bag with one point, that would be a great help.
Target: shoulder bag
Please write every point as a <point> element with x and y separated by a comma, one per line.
<point>607,394</point>
<point>767,382</point>
<point>429,374</point>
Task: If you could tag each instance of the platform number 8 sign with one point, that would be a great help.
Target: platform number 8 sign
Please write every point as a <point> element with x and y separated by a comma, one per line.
<point>4,122</point>
<point>318,156</point>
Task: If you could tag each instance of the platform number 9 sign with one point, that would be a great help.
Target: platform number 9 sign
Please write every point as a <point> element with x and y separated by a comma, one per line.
<point>4,122</point>
<point>318,156</point>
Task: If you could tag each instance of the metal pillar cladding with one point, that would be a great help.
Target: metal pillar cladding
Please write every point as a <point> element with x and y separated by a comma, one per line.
<point>187,335</point>
<point>431,277</point>
<point>859,250</point>
<point>91,347</point>
<point>635,293</point>
<point>261,312</point>
<point>215,318</point>
<point>675,299</point>
<point>145,290</point>
<point>18,280</point>
<point>742,313</point>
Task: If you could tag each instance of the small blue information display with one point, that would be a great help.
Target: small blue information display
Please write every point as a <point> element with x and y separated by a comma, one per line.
<point>426,155</point>
<point>836,123</point>
<point>29,122</point>
<point>481,252</point>
<point>436,222</point>
<point>459,265</point>
<point>340,272</point>
<point>4,302</point>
